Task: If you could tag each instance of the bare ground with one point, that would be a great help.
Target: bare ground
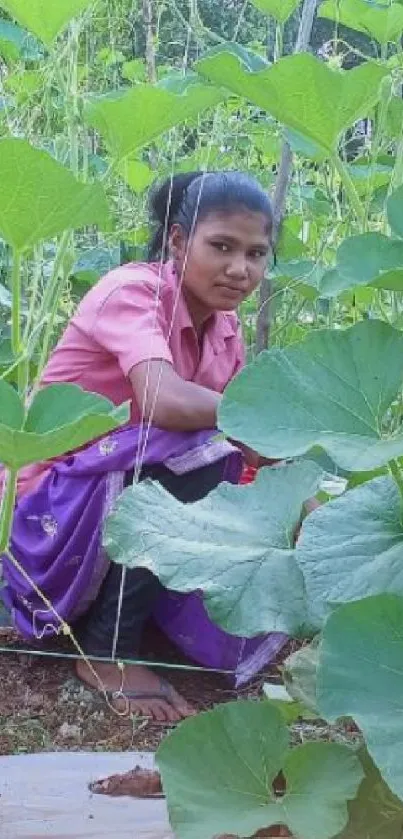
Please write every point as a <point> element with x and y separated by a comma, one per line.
<point>43,707</point>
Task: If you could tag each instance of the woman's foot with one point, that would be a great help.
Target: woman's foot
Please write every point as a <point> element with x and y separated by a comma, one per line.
<point>138,690</point>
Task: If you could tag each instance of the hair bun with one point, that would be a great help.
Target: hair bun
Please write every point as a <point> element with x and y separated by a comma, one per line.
<point>166,199</point>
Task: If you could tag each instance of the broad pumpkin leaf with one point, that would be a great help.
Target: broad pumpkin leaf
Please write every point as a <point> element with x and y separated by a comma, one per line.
<point>235,545</point>
<point>331,390</point>
<point>383,23</point>
<point>61,418</point>
<point>44,18</point>
<point>281,10</point>
<point>333,283</point>
<point>25,45</point>
<point>219,771</point>
<point>302,92</point>
<point>132,120</point>
<point>375,813</point>
<point>351,548</point>
<point>360,675</point>
<point>304,147</point>
<point>303,276</point>
<point>370,259</point>
<point>136,174</point>
<point>40,198</point>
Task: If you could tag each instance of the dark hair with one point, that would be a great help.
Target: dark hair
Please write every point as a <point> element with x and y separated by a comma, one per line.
<point>187,198</point>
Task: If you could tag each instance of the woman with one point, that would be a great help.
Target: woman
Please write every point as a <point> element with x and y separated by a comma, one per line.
<point>164,335</point>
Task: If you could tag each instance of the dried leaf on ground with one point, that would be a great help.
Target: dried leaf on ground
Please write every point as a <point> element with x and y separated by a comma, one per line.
<point>138,783</point>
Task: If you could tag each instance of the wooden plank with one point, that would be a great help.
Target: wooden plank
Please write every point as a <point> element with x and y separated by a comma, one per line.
<point>46,796</point>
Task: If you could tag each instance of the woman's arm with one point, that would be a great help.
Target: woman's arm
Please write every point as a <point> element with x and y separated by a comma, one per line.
<point>177,405</point>
<point>171,402</point>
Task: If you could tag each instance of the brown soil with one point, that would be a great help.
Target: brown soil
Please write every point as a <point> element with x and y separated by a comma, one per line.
<point>43,707</point>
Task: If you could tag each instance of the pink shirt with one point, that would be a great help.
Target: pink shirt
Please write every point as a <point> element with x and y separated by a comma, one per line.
<point>132,316</point>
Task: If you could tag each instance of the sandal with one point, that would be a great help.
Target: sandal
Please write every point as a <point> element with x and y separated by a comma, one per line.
<point>165,693</point>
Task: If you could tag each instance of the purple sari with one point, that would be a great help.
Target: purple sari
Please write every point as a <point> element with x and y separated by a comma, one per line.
<point>57,538</point>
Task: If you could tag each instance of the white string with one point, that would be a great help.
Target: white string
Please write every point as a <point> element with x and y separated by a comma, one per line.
<point>142,445</point>
<point>177,297</point>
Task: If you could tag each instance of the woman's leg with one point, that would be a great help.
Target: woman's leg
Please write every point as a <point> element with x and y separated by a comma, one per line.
<point>140,592</point>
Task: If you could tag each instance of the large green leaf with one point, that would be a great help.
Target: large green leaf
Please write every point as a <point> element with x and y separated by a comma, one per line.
<point>45,18</point>
<point>136,174</point>
<point>331,390</point>
<point>300,673</point>
<point>26,46</point>
<point>61,418</point>
<point>219,771</point>
<point>40,198</point>
<point>370,259</point>
<point>302,92</point>
<point>235,545</point>
<point>303,146</point>
<point>301,275</point>
<point>352,547</point>
<point>281,10</point>
<point>252,60</point>
<point>129,121</point>
<point>11,408</point>
<point>384,22</point>
<point>375,813</point>
<point>361,675</point>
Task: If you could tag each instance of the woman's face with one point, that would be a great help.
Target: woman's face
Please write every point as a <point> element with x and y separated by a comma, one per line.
<point>225,259</point>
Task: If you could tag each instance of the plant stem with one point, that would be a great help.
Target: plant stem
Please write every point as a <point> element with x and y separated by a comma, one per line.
<point>51,297</point>
<point>349,187</point>
<point>397,174</point>
<point>7,508</point>
<point>148,18</point>
<point>38,255</point>
<point>201,29</point>
<point>50,290</point>
<point>16,304</point>
<point>279,42</point>
<point>376,146</point>
<point>397,476</point>
<point>16,339</point>
<point>49,326</point>
<point>282,184</point>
